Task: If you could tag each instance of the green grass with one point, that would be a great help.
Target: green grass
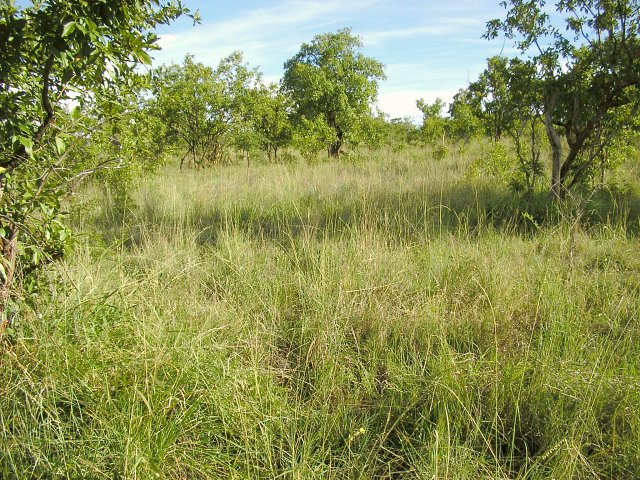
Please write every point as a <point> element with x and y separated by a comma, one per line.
<point>370,318</point>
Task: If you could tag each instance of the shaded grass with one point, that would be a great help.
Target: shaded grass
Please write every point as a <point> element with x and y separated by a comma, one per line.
<point>367,320</point>
<point>407,198</point>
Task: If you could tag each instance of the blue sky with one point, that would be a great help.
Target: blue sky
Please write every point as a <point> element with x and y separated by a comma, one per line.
<point>430,48</point>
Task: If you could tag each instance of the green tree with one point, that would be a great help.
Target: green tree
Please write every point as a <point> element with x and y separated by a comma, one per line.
<point>507,96</point>
<point>393,134</point>
<point>205,109</point>
<point>465,119</point>
<point>522,121</point>
<point>240,84</point>
<point>434,123</point>
<point>117,149</point>
<point>586,72</point>
<point>196,110</point>
<point>332,87</point>
<point>490,92</point>
<point>53,52</point>
<point>270,119</point>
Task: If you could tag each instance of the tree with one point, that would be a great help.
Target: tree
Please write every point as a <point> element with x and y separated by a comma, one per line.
<point>332,85</point>
<point>53,52</point>
<point>434,124</point>
<point>240,85</point>
<point>192,103</point>
<point>490,91</point>
<point>506,95</point>
<point>116,149</point>
<point>465,115</point>
<point>203,109</point>
<point>522,121</point>
<point>586,74</point>
<point>394,134</point>
<point>270,119</point>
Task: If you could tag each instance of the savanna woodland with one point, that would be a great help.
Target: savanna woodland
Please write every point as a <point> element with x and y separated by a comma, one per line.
<point>206,275</point>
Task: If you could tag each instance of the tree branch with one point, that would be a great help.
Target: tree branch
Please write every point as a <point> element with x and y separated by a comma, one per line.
<point>46,100</point>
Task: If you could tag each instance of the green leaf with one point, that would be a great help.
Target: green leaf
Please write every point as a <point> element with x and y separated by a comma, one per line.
<point>144,57</point>
<point>68,29</point>
<point>60,146</point>
<point>81,27</point>
<point>27,143</point>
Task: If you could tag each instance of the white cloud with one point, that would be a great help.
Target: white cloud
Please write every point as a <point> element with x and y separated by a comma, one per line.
<point>402,103</point>
<point>263,34</point>
<point>430,48</point>
<point>166,40</point>
<point>439,27</point>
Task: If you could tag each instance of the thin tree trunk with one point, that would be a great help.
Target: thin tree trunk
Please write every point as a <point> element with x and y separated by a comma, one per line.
<point>9,254</point>
<point>557,188</point>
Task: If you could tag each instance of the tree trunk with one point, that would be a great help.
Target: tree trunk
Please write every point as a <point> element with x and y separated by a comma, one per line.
<point>9,253</point>
<point>335,147</point>
<point>535,154</point>
<point>557,187</point>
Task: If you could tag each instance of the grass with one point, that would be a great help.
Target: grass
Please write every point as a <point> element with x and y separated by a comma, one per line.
<point>384,317</point>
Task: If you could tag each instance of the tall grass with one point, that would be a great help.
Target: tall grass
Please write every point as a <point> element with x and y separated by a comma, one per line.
<point>370,318</point>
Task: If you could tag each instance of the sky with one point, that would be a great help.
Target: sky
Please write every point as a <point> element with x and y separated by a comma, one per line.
<point>430,48</point>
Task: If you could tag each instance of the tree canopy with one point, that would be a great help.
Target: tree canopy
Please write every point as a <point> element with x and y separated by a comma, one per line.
<point>334,85</point>
<point>585,74</point>
<point>53,53</point>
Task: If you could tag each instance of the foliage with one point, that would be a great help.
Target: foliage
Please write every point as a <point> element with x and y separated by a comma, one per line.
<point>121,146</point>
<point>507,93</point>
<point>310,136</point>
<point>583,75</point>
<point>494,160</point>
<point>465,123</point>
<point>489,96</point>
<point>395,134</point>
<point>240,86</point>
<point>191,101</point>
<point>332,87</point>
<point>54,52</point>
<point>606,153</point>
<point>434,124</point>
<point>206,109</point>
<point>268,114</point>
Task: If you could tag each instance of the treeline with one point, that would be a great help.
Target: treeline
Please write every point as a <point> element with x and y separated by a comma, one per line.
<point>323,102</point>
<point>567,106</point>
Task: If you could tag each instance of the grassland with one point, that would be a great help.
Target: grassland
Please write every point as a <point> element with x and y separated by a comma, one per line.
<point>386,317</point>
